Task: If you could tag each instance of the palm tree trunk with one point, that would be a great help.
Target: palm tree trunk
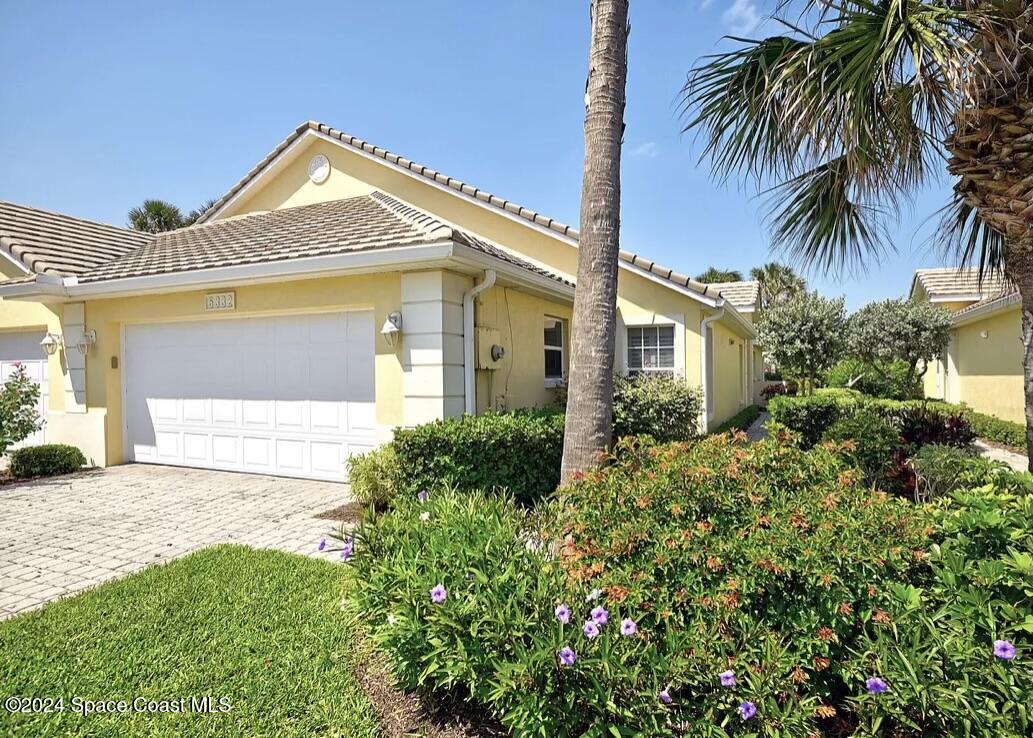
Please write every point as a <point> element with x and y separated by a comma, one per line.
<point>588,425</point>
<point>1019,270</point>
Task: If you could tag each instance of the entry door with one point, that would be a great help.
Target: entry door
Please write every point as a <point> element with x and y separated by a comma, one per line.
<point>287,395</point>
<point>23,348</point>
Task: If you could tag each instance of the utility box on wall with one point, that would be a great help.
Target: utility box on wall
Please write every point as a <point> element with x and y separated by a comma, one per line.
<point>485,339</point>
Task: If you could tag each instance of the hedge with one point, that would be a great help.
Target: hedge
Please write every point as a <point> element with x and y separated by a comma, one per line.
<point>46,461</point>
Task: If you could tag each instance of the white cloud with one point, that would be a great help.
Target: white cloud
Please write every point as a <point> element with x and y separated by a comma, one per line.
<point>705,4</point>
<point>742,17</point>
<point>647,150</point>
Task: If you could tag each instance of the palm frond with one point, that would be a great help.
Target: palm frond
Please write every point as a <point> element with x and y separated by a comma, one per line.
<point>964,236</point>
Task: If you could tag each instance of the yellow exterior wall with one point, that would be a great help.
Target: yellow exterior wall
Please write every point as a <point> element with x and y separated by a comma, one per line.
<point>990,369</point>
<point>17,316</point>
<point>519,378</point>
<point>729,367</point>
<point>381,292</point>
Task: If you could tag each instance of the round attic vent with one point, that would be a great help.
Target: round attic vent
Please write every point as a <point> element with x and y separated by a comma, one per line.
<point>318,169</point>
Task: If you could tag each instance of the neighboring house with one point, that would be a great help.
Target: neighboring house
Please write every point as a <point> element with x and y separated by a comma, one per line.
<point>982,366</point>
<point>747,298</point>
<point>334,293</point>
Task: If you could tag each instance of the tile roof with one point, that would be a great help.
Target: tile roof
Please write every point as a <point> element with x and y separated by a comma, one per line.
<point>361,223</point>
<point>741,294</point>
<point>948,282</point>
<point>989,304</point>
<point>454,184</point>
<point>60,245</point>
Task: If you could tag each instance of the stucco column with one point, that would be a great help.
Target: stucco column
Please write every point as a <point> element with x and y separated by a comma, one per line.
<point>74,326</point>
<point>432,345</point>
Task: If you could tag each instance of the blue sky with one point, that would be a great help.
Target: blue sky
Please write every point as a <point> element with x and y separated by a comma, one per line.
<point>105,104</point>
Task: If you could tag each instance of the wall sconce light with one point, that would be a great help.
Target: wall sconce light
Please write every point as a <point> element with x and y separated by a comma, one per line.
<point>392,328</point>
<point>52,343</point>
<point>88,339</point>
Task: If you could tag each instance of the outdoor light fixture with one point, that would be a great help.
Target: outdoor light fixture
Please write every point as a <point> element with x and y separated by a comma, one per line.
<point>392,328</point>
<point>52,343</point>
<point>88,339</point>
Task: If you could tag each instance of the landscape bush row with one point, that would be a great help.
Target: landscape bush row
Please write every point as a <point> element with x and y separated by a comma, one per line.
<point>711,588</point>
<point>517,451</point>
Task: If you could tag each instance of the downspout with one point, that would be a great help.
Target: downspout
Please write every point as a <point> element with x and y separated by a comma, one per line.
<point>469,362</point>
<point>706,377</point>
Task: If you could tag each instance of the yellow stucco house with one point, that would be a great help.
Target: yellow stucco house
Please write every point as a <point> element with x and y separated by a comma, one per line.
<point>337,291</point>
<point>982,366</point>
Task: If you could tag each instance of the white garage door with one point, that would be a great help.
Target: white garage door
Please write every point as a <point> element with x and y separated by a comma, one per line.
<point>23,348</point>
<point>289,395</point>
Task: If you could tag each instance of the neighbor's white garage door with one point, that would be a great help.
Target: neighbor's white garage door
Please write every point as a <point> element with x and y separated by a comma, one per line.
<point>23,348</point>
<point>289,395</point>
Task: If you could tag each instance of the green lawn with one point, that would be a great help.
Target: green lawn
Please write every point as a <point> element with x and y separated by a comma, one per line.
<point>260,628</point>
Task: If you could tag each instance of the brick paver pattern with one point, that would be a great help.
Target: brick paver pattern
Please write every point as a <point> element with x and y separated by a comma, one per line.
<point>61,536</point>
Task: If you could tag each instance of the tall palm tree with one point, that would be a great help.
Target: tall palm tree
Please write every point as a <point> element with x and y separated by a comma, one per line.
<point>857,103</point>
<point>203,208</point>
<point>156,216</point>
<point>713,274</point>
<point>588,426</point>
<point>779,283</point>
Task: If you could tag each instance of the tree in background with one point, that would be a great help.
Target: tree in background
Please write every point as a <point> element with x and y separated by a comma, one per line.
<point>588,425</point>
<point>158,216</point>
<point>915,333</point>
<point>805,335</point>
<point>779,282</point>
<point>713,274</point>
<point>853,107</point>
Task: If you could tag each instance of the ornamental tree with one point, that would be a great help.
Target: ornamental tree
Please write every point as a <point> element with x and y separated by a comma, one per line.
<point>804,335</point>
<point>881,333</point>
<point>19,408</point>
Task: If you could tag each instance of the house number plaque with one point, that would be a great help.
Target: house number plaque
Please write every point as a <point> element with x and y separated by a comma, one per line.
<point>219,301</point>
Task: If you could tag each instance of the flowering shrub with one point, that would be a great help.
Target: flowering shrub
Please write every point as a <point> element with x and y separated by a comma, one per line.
<point>775,390</point>
<point>958,659</point>
<point>519,452</point>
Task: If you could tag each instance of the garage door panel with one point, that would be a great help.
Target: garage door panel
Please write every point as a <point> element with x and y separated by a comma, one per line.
<point>288,395</point>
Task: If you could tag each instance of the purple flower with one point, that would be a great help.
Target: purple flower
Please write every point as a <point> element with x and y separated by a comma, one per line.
<point>628,627</point>
<point>590,629</point>
<point>727,678</point>
<point>875,685</point>
<point>747,710</point>
<point>438,594</point>
<point>423,495</point>
<point>567,656</point>
<point>322,543</point>
<point>665,697</point>
<point>346,549</point>
<point>600,615</point>
<point>1004,650</point>
<point>563,613</point>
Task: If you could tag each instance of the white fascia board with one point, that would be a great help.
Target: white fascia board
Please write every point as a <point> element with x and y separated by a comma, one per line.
<point>514,272</point>
<point>265,272</point>
<point>15,263</point>
<point>736,318</point>
<point>292,149</point>
<point>987,310</point>
<point>968,297</point>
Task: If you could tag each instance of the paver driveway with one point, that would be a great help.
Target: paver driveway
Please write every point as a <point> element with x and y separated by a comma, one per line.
<point>60,536</point>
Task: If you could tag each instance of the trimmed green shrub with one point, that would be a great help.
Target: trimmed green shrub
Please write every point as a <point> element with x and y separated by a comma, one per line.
<point>740,421</point>
<point>810,415</point>
<point>665,408</point>
<point>518,451</point>
<point>956,649</point>
<point>943,470</point>
<point>374,476</point>
<point>46,461</point>
<point>889,381</point>
<point>997,430</point>
<point>867,441</point>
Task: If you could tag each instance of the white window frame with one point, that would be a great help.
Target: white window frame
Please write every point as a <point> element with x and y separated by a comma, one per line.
<point>648,321</point>
<point>551,382</point>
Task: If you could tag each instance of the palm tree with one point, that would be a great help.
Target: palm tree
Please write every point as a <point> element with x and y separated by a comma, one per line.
<point>856,105</point>
<point>713,274</point>
<point>203,208</point>
<point>156,216</point>
<point>779,283</point>
<point>588,425</point>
